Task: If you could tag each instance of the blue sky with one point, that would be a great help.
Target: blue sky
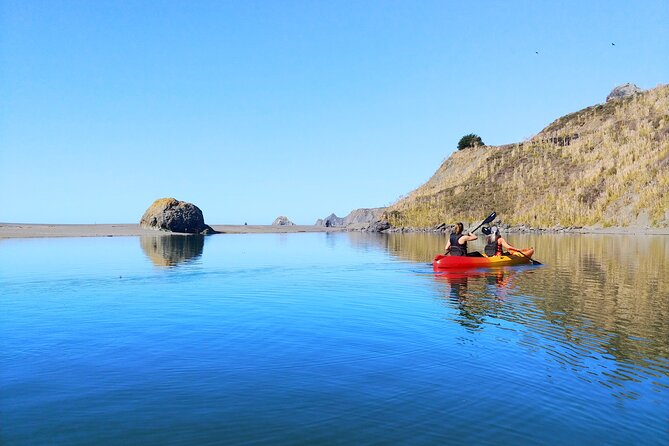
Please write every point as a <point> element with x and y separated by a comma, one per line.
<point>254,109</point>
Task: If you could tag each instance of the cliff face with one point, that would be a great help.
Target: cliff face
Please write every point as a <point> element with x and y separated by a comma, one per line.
<point>605,165</point>
<point>356,219</point>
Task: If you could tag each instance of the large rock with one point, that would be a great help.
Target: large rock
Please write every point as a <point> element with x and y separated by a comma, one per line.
<point>331,221</point>
<point>623,90</point>
<point>282,221</point>
<point>170,214</point>
<point>378,226</point>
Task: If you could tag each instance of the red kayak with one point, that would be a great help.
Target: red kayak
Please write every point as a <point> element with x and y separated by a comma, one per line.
<point>442,262</point>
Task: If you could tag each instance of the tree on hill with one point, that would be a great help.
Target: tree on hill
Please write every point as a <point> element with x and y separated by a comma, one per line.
<point>470,140</point>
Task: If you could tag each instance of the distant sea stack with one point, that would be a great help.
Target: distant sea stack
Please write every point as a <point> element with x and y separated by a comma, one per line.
<point>282,221</point>
<point>170,214</point>
<point>331,221</point>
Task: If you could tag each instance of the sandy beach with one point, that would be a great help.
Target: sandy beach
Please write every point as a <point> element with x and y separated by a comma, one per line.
<point>18,230</point>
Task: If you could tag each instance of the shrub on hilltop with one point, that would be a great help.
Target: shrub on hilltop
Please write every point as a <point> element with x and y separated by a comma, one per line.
<point>470,140</point>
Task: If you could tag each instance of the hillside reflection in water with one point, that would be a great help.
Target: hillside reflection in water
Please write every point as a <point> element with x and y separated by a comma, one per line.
<point>596,298</point>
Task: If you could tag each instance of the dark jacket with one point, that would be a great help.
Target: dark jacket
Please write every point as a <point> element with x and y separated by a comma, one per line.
<point>493,248</point>
<point>457,249</point>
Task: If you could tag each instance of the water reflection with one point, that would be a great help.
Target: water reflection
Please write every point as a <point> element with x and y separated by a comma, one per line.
<point>477,294</point>
<point>171,250</point>
<point>597,299</point>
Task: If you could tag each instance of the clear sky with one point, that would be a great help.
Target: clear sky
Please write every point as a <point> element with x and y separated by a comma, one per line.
<point>255,109</point>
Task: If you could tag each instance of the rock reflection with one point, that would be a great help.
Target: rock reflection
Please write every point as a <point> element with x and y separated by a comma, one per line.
<point>171,250</point>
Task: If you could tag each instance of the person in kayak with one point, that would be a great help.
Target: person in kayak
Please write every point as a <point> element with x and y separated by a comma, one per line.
<point>496,245</point>
<point>457,242</point>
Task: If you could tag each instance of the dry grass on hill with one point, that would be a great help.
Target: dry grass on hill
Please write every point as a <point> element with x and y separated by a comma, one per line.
<point>605,165</point>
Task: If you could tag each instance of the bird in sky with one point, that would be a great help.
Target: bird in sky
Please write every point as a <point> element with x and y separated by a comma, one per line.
<point>613,44</point>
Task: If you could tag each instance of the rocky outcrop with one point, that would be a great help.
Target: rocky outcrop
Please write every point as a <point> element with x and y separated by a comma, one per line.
<point>170,214</point>
<point>357,219</point>
<point>378,226</point>
<point>282,221</point>
<point>363,217</point>
<point>331,221</point>
<point>623,90</point>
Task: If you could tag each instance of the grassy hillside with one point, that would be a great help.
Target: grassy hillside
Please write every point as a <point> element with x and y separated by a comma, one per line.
<point>605,165</point>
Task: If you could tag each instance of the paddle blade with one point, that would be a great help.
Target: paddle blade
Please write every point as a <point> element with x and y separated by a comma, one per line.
<point>490,218</point>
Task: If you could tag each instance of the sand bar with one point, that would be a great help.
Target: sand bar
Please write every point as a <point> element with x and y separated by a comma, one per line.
<point>18,230</point>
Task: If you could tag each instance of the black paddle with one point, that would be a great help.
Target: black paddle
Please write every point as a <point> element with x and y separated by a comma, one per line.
<point>488,219</point>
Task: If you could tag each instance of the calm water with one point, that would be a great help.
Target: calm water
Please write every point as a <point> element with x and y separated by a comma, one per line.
<point>331,339</point>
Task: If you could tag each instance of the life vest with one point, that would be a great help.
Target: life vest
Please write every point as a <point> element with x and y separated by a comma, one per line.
<point>457,249</point>
<point>493,248</point>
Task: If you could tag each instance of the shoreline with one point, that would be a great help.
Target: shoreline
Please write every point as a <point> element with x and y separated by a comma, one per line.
<point>596,230</point>
<point>27,230</point>
<point>569,230</point>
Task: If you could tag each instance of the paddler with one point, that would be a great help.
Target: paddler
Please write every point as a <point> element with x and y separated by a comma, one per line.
<point>457,242</point>
<point>496,244</point>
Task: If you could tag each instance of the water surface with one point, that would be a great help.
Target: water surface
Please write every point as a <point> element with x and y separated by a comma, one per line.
<point>339,338</point>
